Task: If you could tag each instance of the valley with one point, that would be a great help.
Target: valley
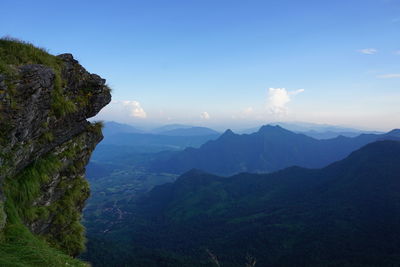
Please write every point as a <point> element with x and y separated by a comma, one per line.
<point>177,218</point>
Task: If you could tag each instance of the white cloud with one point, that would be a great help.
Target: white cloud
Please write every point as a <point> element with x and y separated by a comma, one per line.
<point>205,116</point>
<point>135,109</point>
<point>368,51</point>
<point>397,52</point>
<point>389,76</point>
<point>131,108</point>
<point>278,98</point>
<point>126,111</point>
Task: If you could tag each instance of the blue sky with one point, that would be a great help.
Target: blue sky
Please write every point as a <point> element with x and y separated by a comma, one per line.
<point>229,63</point>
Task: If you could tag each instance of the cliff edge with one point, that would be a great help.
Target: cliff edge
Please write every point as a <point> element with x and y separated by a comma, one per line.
<point>45,143</point>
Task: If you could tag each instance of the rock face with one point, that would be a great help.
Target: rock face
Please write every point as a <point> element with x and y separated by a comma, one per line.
<point>45,143</point>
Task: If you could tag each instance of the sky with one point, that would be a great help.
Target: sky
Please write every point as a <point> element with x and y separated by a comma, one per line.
<point>228,63</point>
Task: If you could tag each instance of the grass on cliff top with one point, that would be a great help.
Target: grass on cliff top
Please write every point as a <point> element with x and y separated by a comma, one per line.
<point>14,52</point>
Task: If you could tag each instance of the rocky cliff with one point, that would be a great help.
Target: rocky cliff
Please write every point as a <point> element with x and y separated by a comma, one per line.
<point>45,143</point>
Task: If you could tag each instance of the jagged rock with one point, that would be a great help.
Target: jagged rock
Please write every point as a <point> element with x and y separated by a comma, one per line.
<point>43,115</point>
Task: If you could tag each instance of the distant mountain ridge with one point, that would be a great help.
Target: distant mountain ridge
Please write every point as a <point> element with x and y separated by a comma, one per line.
<point>112,127</point>
<point>317,131</point>
<point>191,131</point>
<point>270,149</point>
<point>124,138</point>
<point>170,127</point>
<point>157,141</point>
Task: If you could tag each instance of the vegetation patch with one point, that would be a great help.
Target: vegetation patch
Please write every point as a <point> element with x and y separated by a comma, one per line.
<point>96,127</point>
<point>14,53</point>
<point>66,235</point>
<point>19,247</point>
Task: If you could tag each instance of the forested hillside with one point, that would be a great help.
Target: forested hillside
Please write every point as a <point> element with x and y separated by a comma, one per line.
<point>345,214</point>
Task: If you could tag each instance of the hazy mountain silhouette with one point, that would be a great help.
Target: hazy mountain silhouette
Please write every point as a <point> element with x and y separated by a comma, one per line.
<point>271,148</point>
<point>317,131</point>
<point>112,127</point>
<point>145,142</point>
<point>170,127</point>
<point>191,131</point>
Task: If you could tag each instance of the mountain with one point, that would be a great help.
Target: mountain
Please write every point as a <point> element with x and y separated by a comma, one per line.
<point>112,127</point>
<point>144,142</point>
<point>307,126</point>
<point>192,131</point>
<point>122,140</point>
<point>170,127</point>
<point>346,214</point>
<point>329,134</point>
<point>270,149</point>
<point>317,131</point>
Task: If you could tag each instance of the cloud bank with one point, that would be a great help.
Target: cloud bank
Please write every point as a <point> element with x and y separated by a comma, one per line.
<point>278,98</point>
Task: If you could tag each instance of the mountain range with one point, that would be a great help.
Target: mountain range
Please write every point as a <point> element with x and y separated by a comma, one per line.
<point>271,148</point>
<point>191,131</point>
<point>123,139</point>
<point>112,127</point>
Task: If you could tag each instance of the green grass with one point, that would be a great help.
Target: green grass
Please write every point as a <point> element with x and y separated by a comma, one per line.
<point>96,127</point>
<point>67,233</point>
<point>14,53</point>
<point>20,247</point>
<point>61,105</point>
<point>25,188</point>
<point>47,137</point>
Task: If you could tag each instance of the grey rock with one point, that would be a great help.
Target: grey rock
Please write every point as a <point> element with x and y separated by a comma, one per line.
<point>31,130</point>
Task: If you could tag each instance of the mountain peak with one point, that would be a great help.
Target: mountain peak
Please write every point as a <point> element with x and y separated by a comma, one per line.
<point>272,128</point>
<point>228,132</point>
